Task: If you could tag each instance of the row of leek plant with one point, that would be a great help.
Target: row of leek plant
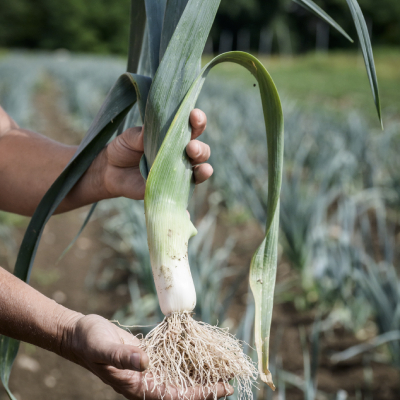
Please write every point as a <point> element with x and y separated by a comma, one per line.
<point>330,152</point>
<point>84,80</point>
<point>327,161</point>
<point>339,197</point>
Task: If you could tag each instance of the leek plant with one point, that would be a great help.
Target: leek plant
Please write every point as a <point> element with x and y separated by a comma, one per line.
<point>167,38</point>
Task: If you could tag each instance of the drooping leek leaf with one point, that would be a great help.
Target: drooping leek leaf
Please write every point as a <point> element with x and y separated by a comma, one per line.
<point>363,35</point>
<point>170,178</point>
<point>319,12</point>
<point>365,41</point>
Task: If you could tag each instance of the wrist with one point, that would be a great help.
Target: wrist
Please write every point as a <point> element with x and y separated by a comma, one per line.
<point>97,176</point>
<point>66,327</point>
<point>90,188</point>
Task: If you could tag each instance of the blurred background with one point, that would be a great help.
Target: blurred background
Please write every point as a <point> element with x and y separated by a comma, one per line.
<point>336,321</point>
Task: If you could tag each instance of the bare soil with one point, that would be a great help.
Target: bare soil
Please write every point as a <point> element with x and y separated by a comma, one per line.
<point>39,374</point>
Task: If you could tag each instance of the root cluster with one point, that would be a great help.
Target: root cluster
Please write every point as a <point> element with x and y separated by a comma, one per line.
<point>185,354</point>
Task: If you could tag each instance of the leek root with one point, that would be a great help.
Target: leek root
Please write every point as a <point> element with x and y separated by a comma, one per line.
<point>185,353</point>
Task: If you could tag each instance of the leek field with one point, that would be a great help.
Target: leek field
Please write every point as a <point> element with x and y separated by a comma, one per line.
<point>336,323</point>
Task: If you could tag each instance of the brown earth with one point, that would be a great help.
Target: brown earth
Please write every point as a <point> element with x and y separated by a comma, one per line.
<point>39,374</point>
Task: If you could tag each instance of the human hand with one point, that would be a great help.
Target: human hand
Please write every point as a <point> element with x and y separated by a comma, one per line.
<point>118,164</point>
<point>113,355</point>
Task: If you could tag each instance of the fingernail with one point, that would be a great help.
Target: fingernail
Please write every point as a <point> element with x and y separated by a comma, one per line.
<point>135,361</point>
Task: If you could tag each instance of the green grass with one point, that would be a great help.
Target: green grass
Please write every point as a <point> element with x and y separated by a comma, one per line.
<point>336,80</point>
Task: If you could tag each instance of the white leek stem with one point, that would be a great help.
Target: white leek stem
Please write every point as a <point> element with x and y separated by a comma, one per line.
<point>168,233</point>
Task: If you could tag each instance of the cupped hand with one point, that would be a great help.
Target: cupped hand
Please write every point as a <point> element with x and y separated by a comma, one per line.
<point>120,160</point>
<point>113,355</point>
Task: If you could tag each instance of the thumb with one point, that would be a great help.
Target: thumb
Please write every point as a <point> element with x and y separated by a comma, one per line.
<point>123,356</point>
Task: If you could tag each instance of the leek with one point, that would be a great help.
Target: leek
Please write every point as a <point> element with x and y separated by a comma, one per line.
<point>184,353</point>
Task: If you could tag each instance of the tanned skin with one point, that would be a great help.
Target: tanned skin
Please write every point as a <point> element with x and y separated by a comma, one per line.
<point>29,164</point>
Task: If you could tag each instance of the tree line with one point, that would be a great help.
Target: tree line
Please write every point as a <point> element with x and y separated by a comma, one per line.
<point>101,26</point>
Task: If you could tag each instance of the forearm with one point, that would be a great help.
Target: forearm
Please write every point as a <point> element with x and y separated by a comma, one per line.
<point>30,163</point>
<point>27,315</point>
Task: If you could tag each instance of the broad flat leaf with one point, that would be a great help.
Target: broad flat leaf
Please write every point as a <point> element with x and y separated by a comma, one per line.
<point>136,33</point>
<point>177,71</point>
<point>363,35</point>
<point>128,89</point>
<point>171,175</point>
<point>319,12</point>
<point>155,14</point>
<point>173,12</point>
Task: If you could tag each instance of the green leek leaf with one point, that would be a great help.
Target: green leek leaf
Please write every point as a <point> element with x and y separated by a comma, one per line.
<point>177,71</point>
<point>155,14</point>
<point>85,222</point>
<point>126,91</point>
<point>366,48</point>
<point>319,12</point>
<point>8,351</point>
<point>136,33</point>
<point>136,52</point>
<point>173,12</point>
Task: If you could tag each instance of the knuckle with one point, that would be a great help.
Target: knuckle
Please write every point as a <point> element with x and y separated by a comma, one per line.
<point>116,359</point>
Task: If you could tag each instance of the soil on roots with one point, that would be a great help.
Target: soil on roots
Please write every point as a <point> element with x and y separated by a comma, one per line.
<point>185,353</point>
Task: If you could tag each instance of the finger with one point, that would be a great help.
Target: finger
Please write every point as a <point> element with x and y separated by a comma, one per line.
<point>134,138</point>
<point>202,172</point>
<point>198,121</point>
<point>125,382</point>
<point>126,149</point>
<point>224,390</point>
<point>199,152</point>
<point>123,356</point>
<point>197,393</point>
<point>205,393</point>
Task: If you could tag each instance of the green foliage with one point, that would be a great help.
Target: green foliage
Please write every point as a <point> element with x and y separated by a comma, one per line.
<point>101,26</point>
<point>92,25</point>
